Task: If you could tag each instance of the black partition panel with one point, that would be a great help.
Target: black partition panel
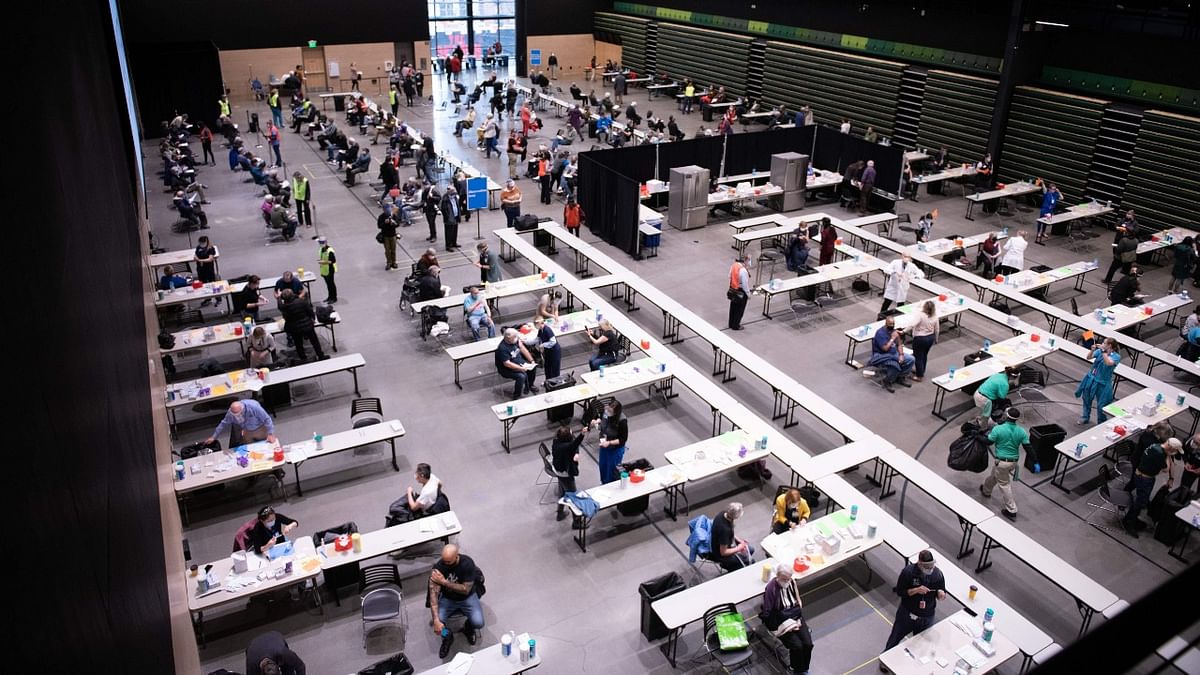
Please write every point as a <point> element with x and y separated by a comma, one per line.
<point>610,201</point>
<point>834,151</point>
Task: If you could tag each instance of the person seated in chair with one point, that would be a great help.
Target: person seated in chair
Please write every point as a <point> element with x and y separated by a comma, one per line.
<point>429,286</point>
<point>514,362</point>
<point>729,551</point>
<point>283,220</point>
<point>606,340</point>
<point>797,255</point>
<point>453,589</point>
<point>887,353</point>
<point>170,280</point>
<point>361,164</point>
<point>416,503</point>
<point>479,314</point>
<point>271,529</point>
<point>346,155</point>
<point>782,615</point>
<point>631,114</point>
<point>258,170</point>
<point>791,510</point>
<point>1128,291</point>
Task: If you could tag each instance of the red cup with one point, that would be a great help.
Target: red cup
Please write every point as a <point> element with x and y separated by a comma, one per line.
<point>1148,310</point>
<point>999,278</point>
<point>837,242</point>
<point>942,297</point>
<point>1154,237</point>
<point>197,284</point>
<point>1120,430</point>
<point>645,344</point>
<point>1034,337</point>
<point>278,454</point>
<point>545,274</point>
<point>800,564</point>
<point>237,330</point>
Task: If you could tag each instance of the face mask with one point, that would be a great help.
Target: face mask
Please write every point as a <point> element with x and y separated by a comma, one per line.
<point>239,418</point>
<point>926,569</point>
<point>270,524</point>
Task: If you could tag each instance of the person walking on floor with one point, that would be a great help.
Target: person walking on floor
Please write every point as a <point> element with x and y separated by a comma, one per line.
<point>920,586</point>
<point>866,186</point>
<point>738,294</point>
<point>431,201</point>
<point>302,193</point>
<point>573,217</point>
<point>1008,438</point>
<point>925,335</point>
<point>327,262</point>
<point>900,273</point>
<point>276,108</point>
<point>450,217</point>
<point>206,139</point>
<point>1185,260</point>
<point>387,233</point>
<point>1097,384</point>
<point>1124,253</point>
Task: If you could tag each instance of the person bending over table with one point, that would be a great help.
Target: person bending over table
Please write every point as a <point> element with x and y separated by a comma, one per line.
<point>920,586</point>
<point>548,305</point>
<point>170,280</point>
<point>887,352</point>
<point>614,434</point>
<point>269,654</point>
<point>605,338</point>
<point>248,421</point>
<point>1097,384</point>
<point>453,590</point>
<point>1013,260</point>
<point>790,510</point>
<point>782,615</point>
<point>994,388</point>
<point>729,551</point>
<point>564,454</point>
<point>272,528</point>
<point>514,362</point>
<point>1127,291</point>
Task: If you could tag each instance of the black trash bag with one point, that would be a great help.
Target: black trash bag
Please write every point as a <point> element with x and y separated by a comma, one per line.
<point>969,452</point>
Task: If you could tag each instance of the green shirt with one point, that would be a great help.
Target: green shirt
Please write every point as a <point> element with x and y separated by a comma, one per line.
<point>995,387</point>
<point>1008,437</point>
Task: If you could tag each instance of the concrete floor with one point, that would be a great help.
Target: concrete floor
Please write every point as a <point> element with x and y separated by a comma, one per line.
<point>584,606</point>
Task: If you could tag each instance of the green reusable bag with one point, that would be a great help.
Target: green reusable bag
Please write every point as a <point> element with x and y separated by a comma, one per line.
<point>731,632</point>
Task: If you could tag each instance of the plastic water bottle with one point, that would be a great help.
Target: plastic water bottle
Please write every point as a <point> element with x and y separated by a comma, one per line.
<point>989,615</point>
<point>532,649</point>
<point>854,512</point>
<point>1079,448</point>
<point>1095,262</point>
<point>1158,398</point>
<point>764,442</point>
<point>987,344</point>
<point>602,372</point>
<point>1037,468</point>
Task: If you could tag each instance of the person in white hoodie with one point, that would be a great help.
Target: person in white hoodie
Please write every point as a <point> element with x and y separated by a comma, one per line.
<point>1013,259</point>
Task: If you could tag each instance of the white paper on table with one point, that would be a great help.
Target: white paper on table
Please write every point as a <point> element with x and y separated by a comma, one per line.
<point>461,664</point>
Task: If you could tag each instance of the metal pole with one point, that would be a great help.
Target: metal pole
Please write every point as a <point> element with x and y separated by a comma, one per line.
<point>478,236</point>
<point>313,219</point>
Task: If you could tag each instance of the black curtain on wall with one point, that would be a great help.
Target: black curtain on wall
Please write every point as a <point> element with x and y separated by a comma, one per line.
<point>610,201</point>
<point>162,89</point>
<point>89,581</point>
<point>834,151</point>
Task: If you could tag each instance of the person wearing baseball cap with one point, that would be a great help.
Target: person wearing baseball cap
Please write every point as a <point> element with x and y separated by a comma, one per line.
<point>1008,437</point>
<point>920,586</point>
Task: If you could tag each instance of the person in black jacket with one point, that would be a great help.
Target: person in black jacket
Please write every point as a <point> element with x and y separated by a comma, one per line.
<point>450,215</point>
<point>1124,253</point>
<point>797,255</point>
<point>272,528</point>
<point>429,286</point>
<point>564,453</point>
<point>431,200</point>
<point>298,318</point>
<point>920,586</point>
<point>268,654</point>
<point>1127,291</point>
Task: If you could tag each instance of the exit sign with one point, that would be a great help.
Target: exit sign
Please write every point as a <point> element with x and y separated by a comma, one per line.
<point>312,44</point>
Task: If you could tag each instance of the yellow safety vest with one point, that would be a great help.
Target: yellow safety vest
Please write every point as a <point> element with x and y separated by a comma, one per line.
<point>392,96</point>
<point>300,189</point>
<point>273,100</point>
<point>325,261</point>
<point>224,107</point>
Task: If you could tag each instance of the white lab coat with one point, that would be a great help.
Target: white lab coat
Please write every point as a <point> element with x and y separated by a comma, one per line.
<point>1014,253</point>
<point>899,278</point>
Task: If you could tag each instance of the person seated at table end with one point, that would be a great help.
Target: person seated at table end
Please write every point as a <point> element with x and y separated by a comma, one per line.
<point>514,362</point>
<point>887,352</point>
<point>791,510</point>
<point>782,614</point>
<point>170,280</point>
<point>1127,291</point>
<point>415,504</point>
<point>729,551</point>
<point>271,529</point>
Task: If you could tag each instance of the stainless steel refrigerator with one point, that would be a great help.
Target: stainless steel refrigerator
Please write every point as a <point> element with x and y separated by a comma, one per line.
<point>789,170</point>
<point>689,198</point>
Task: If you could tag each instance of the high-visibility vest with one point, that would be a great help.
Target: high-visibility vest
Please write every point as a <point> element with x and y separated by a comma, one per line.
<point>393,96</point>
<point>735,273</point>
<point>325,264</point>
<point>300,189</point>
<point>224,106</point>
<point>273,100</point>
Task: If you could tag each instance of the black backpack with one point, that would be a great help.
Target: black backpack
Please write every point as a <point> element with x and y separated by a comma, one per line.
<point>166,340</point>
<point>324,314</point>
<point>192,449</point>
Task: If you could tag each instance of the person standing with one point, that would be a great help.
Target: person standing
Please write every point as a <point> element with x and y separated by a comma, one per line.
<point>394,99</point>
<point>206,138</point>
<point>900,273</point>
<point>327,263</point>
<point>551,350</point>
<point>614,434</point>
<point>1124,253</point>
<point>450,216</point>
<point>431,202</point>
<point>247,421</point>
<point>828,242</point>
<point>206,260</point>
<point>1013,259</point>
<point>299,322</point>
<point>866,186</point>
<point>543,176</point>
<point>488,263</point>
<point>1155,459</point>
<point>782,614</point>
<point>410,91</point>
<point>510,201</point>
<point>575,120</point>
<point>1185,260</point>
<point>573,217</point>
<point>619,87</point>
<point>387,231</point>
<point>1008,437</point>
<point>273,139</point>
<point>738,294</point>
<point>920,586</point>
<point>553,63</point>
<point>491,131</point>
<point>925,335</point>
<point>1097,384</point>
<point>223,105</point>
<point>516,154</point>
<point>269,654</point>
<point>564,453</point>
<point>276,108</point>
<point>1049,202</point>
<point>302,193</point>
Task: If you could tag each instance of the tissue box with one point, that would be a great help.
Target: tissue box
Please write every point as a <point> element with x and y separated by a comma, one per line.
<point>239,562</point>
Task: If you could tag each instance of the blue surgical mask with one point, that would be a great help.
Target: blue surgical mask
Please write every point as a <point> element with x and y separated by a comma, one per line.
<point>270,524</point>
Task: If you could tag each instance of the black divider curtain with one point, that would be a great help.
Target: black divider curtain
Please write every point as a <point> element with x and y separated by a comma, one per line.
<point>609,179</point>
<point>834,151</point>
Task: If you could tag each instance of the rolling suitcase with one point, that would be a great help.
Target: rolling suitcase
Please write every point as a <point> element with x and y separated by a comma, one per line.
<point>974,357</point>
<point>634,507</point>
